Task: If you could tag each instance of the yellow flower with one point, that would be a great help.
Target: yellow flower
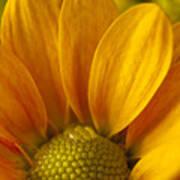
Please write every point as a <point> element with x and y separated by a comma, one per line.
<point>81,61</point>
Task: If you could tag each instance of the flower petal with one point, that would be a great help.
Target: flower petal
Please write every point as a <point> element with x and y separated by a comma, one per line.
<point>176,31</point>
<point>82,24</point>
<point>22,111</point>
<point>159,123</point>
<point>11,159</point>
<point>8,173</point>
<point>161,163</point>
<point>129,65</point>
<point>9,154</point>
<point>30,30</point>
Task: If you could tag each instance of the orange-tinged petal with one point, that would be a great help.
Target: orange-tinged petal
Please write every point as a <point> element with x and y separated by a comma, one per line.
<point>176,31</point>
<point>22,110</point>
<point>30,30</point>
<point>11,160</point>
<point>11,155</point>
<point>9,151</point>
<point>7,135</point>
<point>159,123</point>
<point>8,173</point>
<point>162,163</point>
<point>129,65</point>
<point>82,24</point>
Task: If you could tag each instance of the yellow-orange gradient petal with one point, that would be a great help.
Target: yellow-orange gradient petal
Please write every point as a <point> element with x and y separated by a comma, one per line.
<point>130,63</point>
<point>82,24</point>
<point>30,30</point>
<point>176,31</point>
<point>159,123</point>
<point>22,110</point>
<point>162,163</point>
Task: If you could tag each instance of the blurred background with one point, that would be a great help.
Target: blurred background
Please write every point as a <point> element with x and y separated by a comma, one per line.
<point>2,4</point>
<point>171,7</point>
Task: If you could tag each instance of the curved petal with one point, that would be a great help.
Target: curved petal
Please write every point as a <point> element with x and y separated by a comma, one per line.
<point>176,31</point>
<point>161,163</point>
<point>11,160</point>
<point>13,155</point>
<point>129,65</point>
<point>82,24</point>
<point>30,30</point>
<point>159,123</point>
<point>22,111</point>
<point>9,154</point>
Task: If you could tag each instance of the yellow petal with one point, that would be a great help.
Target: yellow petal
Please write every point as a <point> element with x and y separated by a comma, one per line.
<point>162,163</point>
<point>176,31</point>
<point>159,123</point>
<point>22,111</point>
<point>129,65</point>
<point>30,30</point>
<point>82,24</point>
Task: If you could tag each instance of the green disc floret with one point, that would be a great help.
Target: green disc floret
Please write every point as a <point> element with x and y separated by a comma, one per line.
<point>79,154</point>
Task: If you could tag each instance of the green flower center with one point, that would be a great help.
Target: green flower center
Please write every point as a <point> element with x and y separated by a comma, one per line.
<point>79,153</point>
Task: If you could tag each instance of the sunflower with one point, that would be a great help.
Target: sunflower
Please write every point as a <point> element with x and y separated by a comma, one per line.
<point>87,92</point>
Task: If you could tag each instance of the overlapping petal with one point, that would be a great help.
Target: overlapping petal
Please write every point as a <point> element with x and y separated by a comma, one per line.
<point>11,159</point>
<point>82,24</point>
<point>23,115</point>
<point>162,162</point>
<point>30,30</point>
<point>129,65</point>
<point>8,173</point>
<point>10,154</point>
<point>159,123</point>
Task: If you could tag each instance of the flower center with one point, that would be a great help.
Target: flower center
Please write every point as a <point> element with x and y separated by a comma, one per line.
<point>80,153</point>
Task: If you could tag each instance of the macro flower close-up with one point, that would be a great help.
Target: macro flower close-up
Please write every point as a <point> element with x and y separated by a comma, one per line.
<point>88,92</point>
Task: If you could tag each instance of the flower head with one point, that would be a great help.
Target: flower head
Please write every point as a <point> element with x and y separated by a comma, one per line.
<point>74,61</point>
